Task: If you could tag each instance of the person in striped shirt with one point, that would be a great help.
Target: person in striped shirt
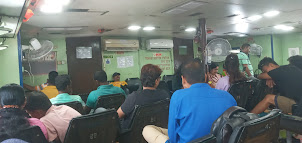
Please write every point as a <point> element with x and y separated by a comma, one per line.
<point>245,65</point>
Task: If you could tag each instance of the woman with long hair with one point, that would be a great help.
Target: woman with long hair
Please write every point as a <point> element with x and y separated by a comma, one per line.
<point>212,75</point>
<point>233,73</point>
<point>13,119</point>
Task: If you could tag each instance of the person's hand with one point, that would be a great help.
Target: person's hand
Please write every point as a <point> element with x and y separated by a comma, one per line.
<point>270,83</point>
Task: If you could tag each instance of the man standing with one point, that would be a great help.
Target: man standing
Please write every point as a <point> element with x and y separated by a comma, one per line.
<point>192,109</point>
<point>244,61</point>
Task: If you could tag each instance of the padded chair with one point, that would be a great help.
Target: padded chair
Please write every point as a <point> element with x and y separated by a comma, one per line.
<point>242,92</point>
<point>206,139</point>
<point>32,134</point>
<point>133,84</point>
<point>93,128</point>
<point>291,123</point>
<point>152,114</point>
<point>168,79</point>
<point>75,105</point>
<point>84,96</point>
<point>110,101</point>
<point>264,129</point>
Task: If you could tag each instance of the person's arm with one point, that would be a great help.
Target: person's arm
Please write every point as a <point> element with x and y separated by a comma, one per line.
<point>31,88</point>
<point>120,113</point>
<point>247,70</point>
<point>264,76</point>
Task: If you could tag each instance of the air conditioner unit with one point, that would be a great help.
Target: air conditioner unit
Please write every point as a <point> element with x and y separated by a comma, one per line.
<point>159,44</point>
<point>121,45</point>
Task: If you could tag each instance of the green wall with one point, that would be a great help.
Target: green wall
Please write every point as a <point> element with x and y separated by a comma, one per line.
<point>164,59</point>
<point>290,41</point>
<point>60,48</point>
<point>9,64</point>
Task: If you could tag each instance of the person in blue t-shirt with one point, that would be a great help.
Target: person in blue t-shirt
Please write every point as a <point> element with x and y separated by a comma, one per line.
<point>192,109</point>
<point>104,89</point>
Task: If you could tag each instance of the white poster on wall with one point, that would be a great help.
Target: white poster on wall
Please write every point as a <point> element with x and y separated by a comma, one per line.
<point>125,62</point>
<point>293,52</point>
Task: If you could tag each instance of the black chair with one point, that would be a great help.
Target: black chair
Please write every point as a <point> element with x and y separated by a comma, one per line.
<point>110,101</point>
<point>206,139</point>
<point>291,123</point>
<point>168,79</point>
<point>32,134</point>
<point>93,128</point>
<point>242,92</point>
<point>76,105</point>
<point>133,84</point>
<point>84,96</point>
<point>264,129</point>
<point>152,114</point>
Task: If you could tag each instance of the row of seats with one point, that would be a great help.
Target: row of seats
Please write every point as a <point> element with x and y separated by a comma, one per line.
<point>105,126</point>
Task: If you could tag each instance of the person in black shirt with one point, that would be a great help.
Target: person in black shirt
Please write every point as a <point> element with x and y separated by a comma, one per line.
<point>150,78</point>
<point>288,80</point>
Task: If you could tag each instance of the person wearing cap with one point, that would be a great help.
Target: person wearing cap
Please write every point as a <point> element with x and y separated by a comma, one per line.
<point>116,80</point>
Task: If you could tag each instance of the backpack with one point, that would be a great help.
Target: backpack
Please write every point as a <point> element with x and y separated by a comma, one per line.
<point>223,127</point>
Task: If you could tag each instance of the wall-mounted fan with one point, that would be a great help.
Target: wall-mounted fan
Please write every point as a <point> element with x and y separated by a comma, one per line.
<point>218,49</point>
<point>256,50</point>
<point>2,45</point>
<point>37,50</point>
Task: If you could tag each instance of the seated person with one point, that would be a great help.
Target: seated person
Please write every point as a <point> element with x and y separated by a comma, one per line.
<point>192,109</point>
<point>233,73</point>
<point>63,84</point>
<point>104,89</point>
<point>116,80</point>
<point>13,119</point>
<point>55,118</point>
<point>295,61</point>
<point>288,80</point>
<point>48,88</point>
<point>212,75</point>
<point>150,78</point>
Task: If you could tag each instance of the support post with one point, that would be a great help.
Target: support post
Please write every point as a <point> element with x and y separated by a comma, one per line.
<point>203,41</point>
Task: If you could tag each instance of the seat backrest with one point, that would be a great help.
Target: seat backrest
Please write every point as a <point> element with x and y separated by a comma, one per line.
<point>133,84</point>
<point>76,105</point>
<point>223,127</point>
<point>33,134</point>
<point>291,123</point>
<point>264,129</point>
<point>93,128</point>
<point>84,96</point>
<point>110,101</point>
<point>242,92</point>
<point>167,78</point>
<point>152,114</point>
<point>206,139</point>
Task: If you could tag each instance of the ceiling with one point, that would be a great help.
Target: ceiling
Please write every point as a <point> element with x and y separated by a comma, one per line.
<point>123,13</point>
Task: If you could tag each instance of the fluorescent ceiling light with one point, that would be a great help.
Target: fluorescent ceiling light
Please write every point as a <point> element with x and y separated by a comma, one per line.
<point>51,8</point>
<point>62,28</point>
<point>242,27</point>
<point>191,5</point>
<point>175,11</point>
<point>271,13</point>
<point>149,28</point>
<point>254,17</point>
<point>242,35</point>
<point>134,27</point>
<point>235,51</point>
<point>57,2</point>
<point>284,27</point>
<point>190,29</point>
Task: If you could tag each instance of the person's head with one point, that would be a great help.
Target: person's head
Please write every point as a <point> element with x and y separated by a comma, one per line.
<point>192,72</point>
<point>245,48</point>
<point>63,84</point>
<point>116,76</point>
<point>231,65</point>
<point>37,104</point>
<point>12,96</point>
<point>267,64</point>
<point>150,75</point>
<point>213,68</point>
<point>51,77</point>
<point>100,77</point>
<point>295,61</point>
